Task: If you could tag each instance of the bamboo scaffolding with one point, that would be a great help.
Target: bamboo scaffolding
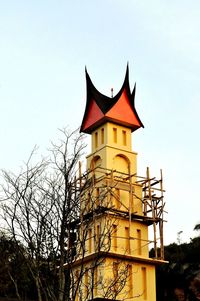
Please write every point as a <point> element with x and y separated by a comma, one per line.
<point>152,199</point>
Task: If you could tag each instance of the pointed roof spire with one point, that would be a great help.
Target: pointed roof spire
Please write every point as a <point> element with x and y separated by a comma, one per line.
<point>119,109</point>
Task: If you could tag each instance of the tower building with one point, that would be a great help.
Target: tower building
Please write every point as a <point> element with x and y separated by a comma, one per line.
<point>119,209</point>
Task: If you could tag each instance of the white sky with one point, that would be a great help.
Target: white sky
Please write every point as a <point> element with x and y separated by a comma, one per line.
<point>44,47</point>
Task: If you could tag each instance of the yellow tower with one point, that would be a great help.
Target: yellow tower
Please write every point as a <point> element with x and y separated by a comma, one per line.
<point>117,206</point>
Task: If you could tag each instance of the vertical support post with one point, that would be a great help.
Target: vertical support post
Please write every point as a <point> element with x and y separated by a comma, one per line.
<point>130,198</point>
<point>161,218</point>
<point>111,192</point>
<point>80,193</point>
<point>153,212</point>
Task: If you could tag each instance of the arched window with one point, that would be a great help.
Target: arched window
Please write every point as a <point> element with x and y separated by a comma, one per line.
<point>95,163</point>
<point>121,164</point>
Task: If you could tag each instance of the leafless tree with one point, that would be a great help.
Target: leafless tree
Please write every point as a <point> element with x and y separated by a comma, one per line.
<point>49,208</point>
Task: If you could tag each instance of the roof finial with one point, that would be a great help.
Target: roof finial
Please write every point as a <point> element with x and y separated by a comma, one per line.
<point>112,92</point>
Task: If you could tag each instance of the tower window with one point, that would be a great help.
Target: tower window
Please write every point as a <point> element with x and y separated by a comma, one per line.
<point>89,240</point>
<point>139,249</point>
<point>96,139</point>
<point>86,282</point>
<point>130,280</point>
<point>88,202</point>
<point>115,237</point>
<point>124,137</point>
<point>115,275</point>
<point>97,196</point>
<point>115,135</point>
<point>98,238</point>
<point>102,136</point>
<point>96,280</point>
<point>127,238</point>
<point>117,197</point>
<point>144,282</point>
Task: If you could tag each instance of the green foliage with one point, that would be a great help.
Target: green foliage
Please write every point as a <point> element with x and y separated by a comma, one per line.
<point>197,227</point>
<point>181,272</point>
<point>186,252</point>
<point>14,275</point>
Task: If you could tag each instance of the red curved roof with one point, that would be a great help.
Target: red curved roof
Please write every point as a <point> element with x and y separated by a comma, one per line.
<point>119,109</point>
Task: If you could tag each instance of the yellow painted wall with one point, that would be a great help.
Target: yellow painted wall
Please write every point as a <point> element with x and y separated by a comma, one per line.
<point>126,238</point>
<point>133,280</point>
<point>120,237</point>
<point>112,135</point>
<point>140,280</point>
<point>112,154</point>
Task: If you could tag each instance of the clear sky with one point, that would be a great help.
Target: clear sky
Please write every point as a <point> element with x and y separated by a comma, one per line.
<point>44,47</point>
